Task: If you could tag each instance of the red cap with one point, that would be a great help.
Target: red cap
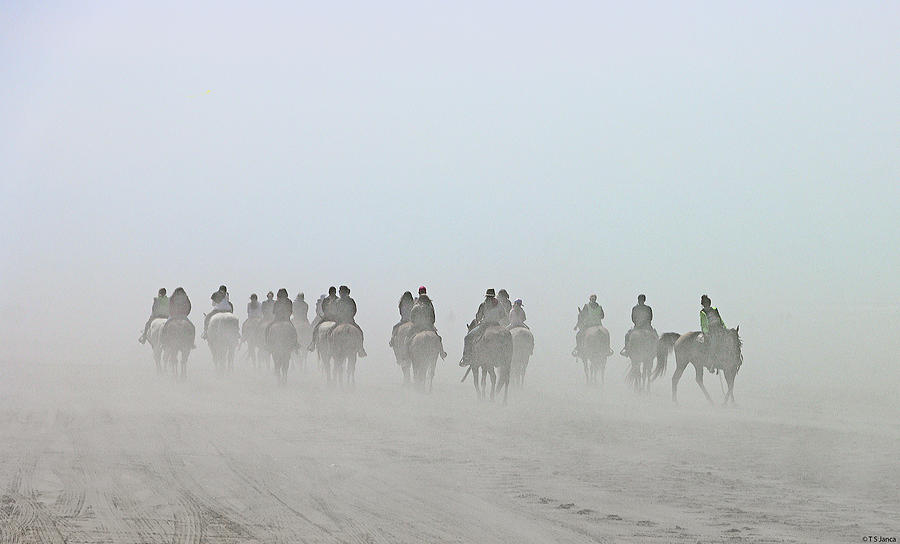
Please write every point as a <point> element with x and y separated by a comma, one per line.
<point>422,290</point>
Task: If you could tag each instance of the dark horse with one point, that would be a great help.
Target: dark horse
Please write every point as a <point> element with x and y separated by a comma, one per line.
<point>177,337</point>
<point>688,349</point>
<point>493,350</point>
<point>281,341</point>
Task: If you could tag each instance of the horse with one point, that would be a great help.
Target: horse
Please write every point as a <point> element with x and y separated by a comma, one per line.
<point>424,349</point>
<point>401,349</point>
<point>641,348</point>
<point>594,350</point>
<point>493,350</point>
<point>177,338</point>
<point>153,338</point>
<point>281,341</point>
<point>223,337</point>
<point>688,349</point>
<point>323,347</point>
<point>304,337</point>
<point>346,341</point>
<point>523,348</point>
<point>251,335</point>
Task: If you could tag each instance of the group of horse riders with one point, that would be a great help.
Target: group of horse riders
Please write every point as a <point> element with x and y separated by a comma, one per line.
<point>275,308</point>
<point>497,309</point>
<point>178,306</point>
<point>338,307</point>
<point>711,324</point>
<point>420,312</point>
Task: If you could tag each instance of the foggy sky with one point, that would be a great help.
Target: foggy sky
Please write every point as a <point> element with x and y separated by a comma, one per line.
<point>554,149</point>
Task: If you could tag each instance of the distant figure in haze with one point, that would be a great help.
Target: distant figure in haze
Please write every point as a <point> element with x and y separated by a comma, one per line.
<point>592,315</point>
<point>641,316</point>
<point>220,303</point>
<point>712,327</point>
<point>327,308</point>
<point>490,312</point>
<point>160,309</point>
<point>268,307</point>
<point>517,315</point>
<point>422,317</point>
<point>505,303</point>
<point>320,313</point>
<point>301,308</point>
<point>345,312</point>
<point>179,304</point>
<point>281,310</point>
<point>179,308</point>
<point>405,306</point>
<point>254,308</point>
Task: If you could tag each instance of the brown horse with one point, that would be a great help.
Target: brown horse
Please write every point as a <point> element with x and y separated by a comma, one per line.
<point>642,344</point>
<point>252,334</point>
<point>594,350</point>
<point>346,341</point>
<point>493,350</point>
<point>424,350</point>
<point>523,348</point>
<point>281,341</point>
<point>177,338</point>
<point>688,349</point>
<point>401,349</point>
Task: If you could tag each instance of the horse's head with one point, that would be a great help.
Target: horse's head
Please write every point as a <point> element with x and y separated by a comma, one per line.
<point>731,347</point>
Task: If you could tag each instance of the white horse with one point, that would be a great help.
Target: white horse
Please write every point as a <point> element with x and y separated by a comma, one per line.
<point>223,336</point>
<point>153,338</point>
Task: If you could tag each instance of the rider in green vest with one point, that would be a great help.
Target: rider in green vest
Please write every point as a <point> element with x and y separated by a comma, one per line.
<point>160,309</point>
<point>713,327</point>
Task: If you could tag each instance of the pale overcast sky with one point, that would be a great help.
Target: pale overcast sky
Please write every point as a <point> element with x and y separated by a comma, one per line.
<point>745,150</point>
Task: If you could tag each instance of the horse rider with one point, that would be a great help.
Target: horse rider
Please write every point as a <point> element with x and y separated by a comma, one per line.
<point>405,306</point>
<point>490,312</point>
<point>505,303</point>
<point>422,317</point>
<point>591,315</point>
<point>282,310</point>
<point>345,312</point>
<point>268,307</point>
<point>301,308</point>
<point>160,309</point>
<point>641,316</point>
<point>327,307</point>
<point>517,315</point>
<point>712,328</point>
<point>179,306</point>
<point>319,312</point>
<point>254,308</point>
<point>220,304</point>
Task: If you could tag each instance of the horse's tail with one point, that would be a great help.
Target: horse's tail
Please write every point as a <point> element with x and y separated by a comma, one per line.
<point>466,375</point>
<point>665,344</point>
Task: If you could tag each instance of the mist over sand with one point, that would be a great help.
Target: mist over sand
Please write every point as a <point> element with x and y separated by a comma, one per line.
<point>746,152</point>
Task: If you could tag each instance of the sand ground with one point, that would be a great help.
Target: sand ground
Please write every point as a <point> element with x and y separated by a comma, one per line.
<point>115,453</point>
